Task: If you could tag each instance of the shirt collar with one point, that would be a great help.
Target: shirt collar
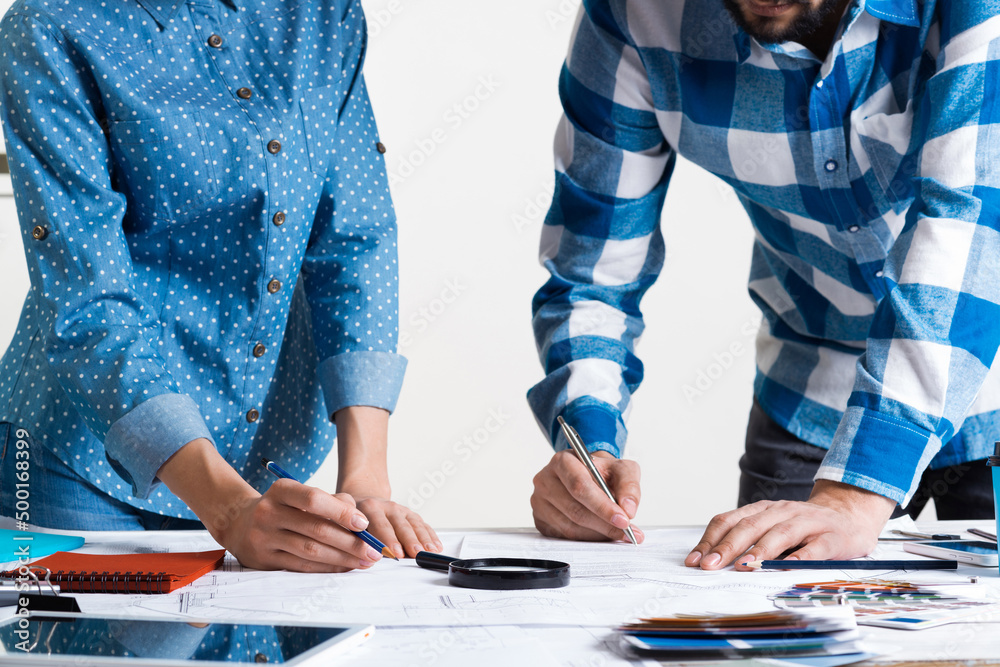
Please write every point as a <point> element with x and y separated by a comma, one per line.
<point>903,12</point>
<point>163,11</point>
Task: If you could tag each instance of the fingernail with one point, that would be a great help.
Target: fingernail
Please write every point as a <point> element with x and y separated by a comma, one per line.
<point>373,555</point>
<point>416,548</point>
<point>639,535</point>
<point>430,547</point>
<point>792,558</point>
<point>619,521</point>
<point>747,558</point>
<point>359,522</point>
<point>711,560</point>
<point>693,558</point>
<point>629,506</point>
<point>365,564</point>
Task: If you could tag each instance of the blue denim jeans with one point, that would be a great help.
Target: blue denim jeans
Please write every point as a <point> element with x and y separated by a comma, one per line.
<point>43,491</point>
<point>779,466</point>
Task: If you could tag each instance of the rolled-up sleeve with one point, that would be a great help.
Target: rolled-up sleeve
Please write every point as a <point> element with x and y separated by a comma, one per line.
<point>350,272</point>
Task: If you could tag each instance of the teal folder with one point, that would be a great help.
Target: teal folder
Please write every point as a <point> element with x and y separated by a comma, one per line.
<point>14,542</point>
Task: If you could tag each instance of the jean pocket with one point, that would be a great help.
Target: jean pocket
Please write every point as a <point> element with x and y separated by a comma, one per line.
<point>166,166</point>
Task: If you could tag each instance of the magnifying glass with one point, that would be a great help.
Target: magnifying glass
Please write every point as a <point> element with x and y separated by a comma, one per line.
<point>498,574</point>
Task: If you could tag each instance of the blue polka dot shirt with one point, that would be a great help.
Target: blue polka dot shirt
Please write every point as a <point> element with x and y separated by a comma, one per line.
<point>209,234</point>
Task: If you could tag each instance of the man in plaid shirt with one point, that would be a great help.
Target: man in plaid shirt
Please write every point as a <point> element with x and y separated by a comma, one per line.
<point>859,135</point>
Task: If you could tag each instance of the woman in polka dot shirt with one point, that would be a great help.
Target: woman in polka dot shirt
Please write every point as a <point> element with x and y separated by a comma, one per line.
<point>212,253</point>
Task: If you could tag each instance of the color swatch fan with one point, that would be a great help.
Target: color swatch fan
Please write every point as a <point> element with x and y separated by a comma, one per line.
<point>774,634</point>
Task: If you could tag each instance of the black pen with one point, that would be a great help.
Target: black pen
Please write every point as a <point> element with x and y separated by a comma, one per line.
<point>985,534</point>
<point>853,564</point>
<point>927,536</point>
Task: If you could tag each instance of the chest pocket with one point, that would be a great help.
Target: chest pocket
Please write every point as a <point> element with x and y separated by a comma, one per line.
<point>885,141</point>
<point>165,166</point>
<point>320,108</point>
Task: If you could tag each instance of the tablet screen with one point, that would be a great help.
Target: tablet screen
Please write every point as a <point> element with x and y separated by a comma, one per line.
<point>209,643</point>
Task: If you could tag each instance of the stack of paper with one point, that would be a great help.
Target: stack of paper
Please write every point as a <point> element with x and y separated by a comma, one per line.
<point>774,634</point>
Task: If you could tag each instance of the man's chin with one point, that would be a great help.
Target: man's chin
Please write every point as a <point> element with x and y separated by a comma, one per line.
<point>761,20</point>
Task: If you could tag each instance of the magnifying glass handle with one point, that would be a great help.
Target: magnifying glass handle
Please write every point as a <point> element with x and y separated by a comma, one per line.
<point>434,561</point>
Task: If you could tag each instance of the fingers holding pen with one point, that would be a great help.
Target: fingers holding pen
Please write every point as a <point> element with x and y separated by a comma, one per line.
<point>568,502</point>
<point>312,522</point>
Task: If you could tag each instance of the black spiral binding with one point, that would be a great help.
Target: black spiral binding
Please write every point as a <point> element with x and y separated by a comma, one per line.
<point>113,582</point>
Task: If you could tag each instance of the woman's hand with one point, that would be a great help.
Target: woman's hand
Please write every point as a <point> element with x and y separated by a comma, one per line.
<point>362,444</point>
<point>397,526</point>
<point>290,527</point>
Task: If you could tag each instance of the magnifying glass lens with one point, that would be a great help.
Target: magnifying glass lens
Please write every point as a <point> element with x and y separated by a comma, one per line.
<point>507,568</point>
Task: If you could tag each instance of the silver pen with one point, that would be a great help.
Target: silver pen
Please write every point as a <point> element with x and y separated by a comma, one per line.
<point>581,452</point>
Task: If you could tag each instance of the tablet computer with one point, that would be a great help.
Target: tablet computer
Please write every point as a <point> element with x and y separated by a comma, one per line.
<point>117,641</point>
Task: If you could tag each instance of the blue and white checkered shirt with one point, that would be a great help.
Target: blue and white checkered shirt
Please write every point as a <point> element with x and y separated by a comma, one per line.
<point>871,182</point>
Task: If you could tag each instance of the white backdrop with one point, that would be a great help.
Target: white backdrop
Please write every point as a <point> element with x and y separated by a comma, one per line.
<point>465,94</point>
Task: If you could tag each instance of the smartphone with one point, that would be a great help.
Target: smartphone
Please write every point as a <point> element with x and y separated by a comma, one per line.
<point>964,551</point>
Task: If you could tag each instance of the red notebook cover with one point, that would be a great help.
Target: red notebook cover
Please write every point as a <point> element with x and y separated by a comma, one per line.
<point>126,573</point>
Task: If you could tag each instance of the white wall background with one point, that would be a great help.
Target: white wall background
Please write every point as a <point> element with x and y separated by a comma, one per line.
<point>465,94</point>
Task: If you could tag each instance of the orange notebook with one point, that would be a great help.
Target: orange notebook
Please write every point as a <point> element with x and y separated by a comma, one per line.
<point>126,573</point>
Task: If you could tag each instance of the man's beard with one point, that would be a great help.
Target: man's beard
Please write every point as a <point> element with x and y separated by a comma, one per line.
<point>767,31</point>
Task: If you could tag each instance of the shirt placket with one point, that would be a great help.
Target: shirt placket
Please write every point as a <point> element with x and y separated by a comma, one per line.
<point>828,107</point>
<point>273,290</point>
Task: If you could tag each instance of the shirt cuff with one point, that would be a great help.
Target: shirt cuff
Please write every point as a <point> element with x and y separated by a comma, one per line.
<point>879,453</point>
<point>600,428</point>
<point>362,378</point>
<point>142,441</point>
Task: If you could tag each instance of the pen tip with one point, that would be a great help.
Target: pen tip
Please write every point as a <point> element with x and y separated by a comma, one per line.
<point>386,551</point>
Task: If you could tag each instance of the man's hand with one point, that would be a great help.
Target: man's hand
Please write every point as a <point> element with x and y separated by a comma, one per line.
<point>838,521</point>
<point>568,502</point>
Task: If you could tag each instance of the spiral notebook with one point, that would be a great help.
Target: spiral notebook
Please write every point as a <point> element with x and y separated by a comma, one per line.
<point>126,573</point>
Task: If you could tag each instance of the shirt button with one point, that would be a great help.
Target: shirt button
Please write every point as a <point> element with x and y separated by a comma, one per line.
<point>853,228</point>
<point>879,274</point>
<point>819,84</point>
<point>244,93</point>
<point>380,147</point>
<point>274,146</point>
<point>260,657</point>
<point>278,219</point>
<point>39,233</point>
<point>831,165</point>
<point>215,41</point>
<point>259,350</point>
<point>274,286</point>
<point>252,415</point>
